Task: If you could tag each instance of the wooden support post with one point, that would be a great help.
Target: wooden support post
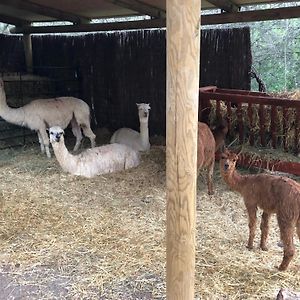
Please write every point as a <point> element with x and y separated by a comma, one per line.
<point>28,52</point>
<point>183,56</point>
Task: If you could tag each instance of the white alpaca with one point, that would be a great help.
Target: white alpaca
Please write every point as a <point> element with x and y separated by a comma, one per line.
<point>91,162</point>
<point>136,140</point>
<point>41,114</point>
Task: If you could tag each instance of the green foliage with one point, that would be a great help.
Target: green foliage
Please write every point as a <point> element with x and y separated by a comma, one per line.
<point>276,53</point>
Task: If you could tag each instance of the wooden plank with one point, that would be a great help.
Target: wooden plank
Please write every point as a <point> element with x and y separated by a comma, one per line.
<point>140,7</point>
<point>45,11</point>
<point>226,5</point>
<point>183,60</point>
<point>296,136</point>
<point>253,99</point>
<point>285,127</point>
<point>274,120</point>
<point>28,52</point>
<point>246,160</point>
<point>240,92</point>
<point>251,123</point>
<point>130,25</point>
<point>252,16</point>
<point>240,123</point>
<point>229,116</point>
<point>262,125</point>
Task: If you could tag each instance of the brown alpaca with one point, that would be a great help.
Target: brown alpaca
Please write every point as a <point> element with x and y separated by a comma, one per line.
<point>206,153</point>
<point>273,194</point>
<point>220,133</point>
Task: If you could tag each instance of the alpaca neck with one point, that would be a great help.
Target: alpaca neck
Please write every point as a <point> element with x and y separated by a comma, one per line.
<point>144,133</point>
<point>11,115</point>
<point>67,161</point>
<point>234,180</point>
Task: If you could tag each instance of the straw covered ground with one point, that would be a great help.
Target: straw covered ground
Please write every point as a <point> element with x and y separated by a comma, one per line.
<point>65,237</point>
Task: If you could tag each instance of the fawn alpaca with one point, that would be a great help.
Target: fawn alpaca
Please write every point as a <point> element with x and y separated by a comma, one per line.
<point>206,153</point>
<point>273,194</point>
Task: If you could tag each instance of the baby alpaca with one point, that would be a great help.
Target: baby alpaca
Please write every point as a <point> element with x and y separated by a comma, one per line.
<point>134,139</point>
<point>273,194</point>
<point>95,161</point>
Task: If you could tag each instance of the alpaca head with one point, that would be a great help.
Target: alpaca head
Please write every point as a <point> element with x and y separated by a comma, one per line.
<point>143,112</point>
<point>228,162</point>
<point>56,134</point>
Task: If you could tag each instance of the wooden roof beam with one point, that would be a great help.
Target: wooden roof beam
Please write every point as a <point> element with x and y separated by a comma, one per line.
<point>13,20</point>
<point>226,5</point>
<point>252,16</point>
<point>153,23</point>
<point>45,11</point>
<point>245,16</point>
<point>140,7</point>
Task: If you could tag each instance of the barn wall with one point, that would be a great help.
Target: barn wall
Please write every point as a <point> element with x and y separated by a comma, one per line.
<point>117,70</point>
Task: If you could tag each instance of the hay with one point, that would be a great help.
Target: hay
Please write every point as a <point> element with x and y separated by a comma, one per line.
<point>255,128</point>
<point>65,237</point>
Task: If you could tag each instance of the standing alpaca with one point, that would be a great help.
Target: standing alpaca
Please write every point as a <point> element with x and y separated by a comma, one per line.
<point>136,140</point>
<point>206,153</point>
<point>273,194</point>
<point>91,162</point>
<point>41,114</point>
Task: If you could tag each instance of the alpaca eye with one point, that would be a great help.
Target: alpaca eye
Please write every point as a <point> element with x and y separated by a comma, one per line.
<point>51,132</point>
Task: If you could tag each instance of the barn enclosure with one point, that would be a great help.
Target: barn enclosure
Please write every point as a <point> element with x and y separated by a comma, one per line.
<point>150,232</point>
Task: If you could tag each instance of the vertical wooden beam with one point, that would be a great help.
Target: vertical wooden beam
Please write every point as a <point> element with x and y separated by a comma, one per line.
<point>183,57</point>
<point>28,52</point>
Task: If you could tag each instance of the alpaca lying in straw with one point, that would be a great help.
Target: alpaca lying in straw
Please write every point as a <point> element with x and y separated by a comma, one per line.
<point>273,194</point>
<point>134,139</point>
<point>206,153</point>
<point>41,114</point>
<point>95,161</point>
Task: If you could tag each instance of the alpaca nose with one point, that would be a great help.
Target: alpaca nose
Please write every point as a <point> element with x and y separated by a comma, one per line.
<point>226,166</point>
<point>145,114</point>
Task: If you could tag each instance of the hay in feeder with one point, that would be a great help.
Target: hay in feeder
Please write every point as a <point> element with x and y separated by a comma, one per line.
<point>67,237</point>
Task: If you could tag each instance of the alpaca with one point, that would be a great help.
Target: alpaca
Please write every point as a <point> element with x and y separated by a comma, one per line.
<point>95,161</point>
<point>206,153</point>
<point>273,194</point>
<point>41,114</point>
<point>220,133</point>
<point>136,140</point>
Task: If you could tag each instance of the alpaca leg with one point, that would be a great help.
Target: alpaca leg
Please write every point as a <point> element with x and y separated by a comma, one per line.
<point>298,228</point>
<point>210,173</point>
<point>286,233</point>
<point>41,142</point>
<point>45,139</point>
<point>87,131</point>
<point>264,227</point>
<point>252,225</point>
<point>77,133</point>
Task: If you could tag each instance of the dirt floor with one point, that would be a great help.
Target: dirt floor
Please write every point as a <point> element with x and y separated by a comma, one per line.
<point>66,237</point>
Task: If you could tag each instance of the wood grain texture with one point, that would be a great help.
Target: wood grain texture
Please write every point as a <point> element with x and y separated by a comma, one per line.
<point>183,55</point>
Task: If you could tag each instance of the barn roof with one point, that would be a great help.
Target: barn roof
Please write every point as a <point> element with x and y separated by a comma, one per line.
<point>23,12</point>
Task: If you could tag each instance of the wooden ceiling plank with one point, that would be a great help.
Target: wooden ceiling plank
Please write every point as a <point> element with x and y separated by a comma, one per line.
<point>45,11</point>
<point>252,16</point>
<point>140,7</point>
<point>13,20</point>
<point>227,5</point>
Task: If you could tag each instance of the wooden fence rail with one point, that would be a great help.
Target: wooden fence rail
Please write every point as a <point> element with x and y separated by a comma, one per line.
<point>278,118</point>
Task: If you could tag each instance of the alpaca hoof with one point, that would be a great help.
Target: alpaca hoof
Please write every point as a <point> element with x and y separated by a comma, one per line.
<point>280,244</point>
<point>249,247</point>
<point>281,268</point>
<point>210,193</point>
<point>264,248</point>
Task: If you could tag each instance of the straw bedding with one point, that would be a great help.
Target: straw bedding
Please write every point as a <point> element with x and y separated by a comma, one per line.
<point>65,237</point>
